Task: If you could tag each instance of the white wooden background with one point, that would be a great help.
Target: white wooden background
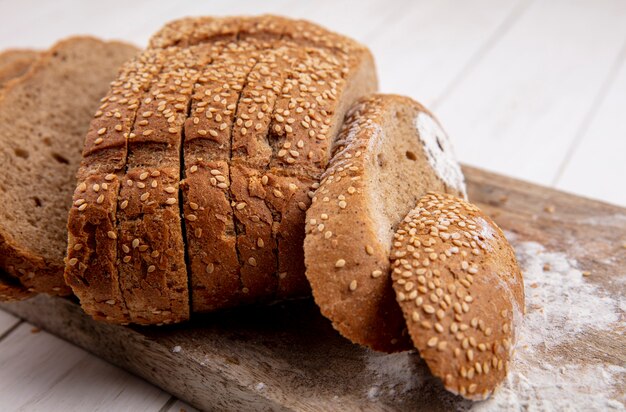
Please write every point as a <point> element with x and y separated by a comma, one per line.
<point>531,89</point>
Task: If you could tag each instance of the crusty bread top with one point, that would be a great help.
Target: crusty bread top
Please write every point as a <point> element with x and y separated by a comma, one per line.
<point>461,292</point>
<point>380,168</point>
<point>43,117</point>
<point>268,96</point>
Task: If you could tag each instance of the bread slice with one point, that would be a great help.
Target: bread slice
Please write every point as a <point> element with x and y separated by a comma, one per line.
<point>461,292</point>
<point>14,63</point>
<point>389,153</point>
<point>44,115</point>
<point>265,104</point>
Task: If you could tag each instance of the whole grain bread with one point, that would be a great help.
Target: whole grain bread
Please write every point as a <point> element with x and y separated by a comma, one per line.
<point>14,63</point>
<point>261,98</point>
<point>461,292</point>
<point>44,115</point>
<point>389,153</point>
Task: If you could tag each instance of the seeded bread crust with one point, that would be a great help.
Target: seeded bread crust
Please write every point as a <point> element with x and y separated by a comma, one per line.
<point>262,111</point>
<point>92,255</point>
<point>378,171</point>
<point>44,115</point>
<point>461,291</point>
<point>302,107</point>
<point>14,63</point>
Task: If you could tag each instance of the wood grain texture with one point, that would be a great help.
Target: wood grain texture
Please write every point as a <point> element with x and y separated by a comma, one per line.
<point>287,357</point>
<point>64,377</point>
<point>7,321</point>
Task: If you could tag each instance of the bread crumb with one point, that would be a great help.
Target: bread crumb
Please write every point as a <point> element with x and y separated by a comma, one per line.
<point>35,330</point>
<point>549,209</point>
<point>586,273</point>
<point>503,199</point>
<point>546,267</point>
<point>176,349</point>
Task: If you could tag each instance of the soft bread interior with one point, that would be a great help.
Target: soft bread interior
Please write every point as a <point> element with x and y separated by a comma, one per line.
<point>44,119</point>
<point>400,169</point>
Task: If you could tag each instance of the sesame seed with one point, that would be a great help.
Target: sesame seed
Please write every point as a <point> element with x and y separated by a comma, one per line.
<point>102,131</point>
<point>171,201</point>
<point>252,261</point>
<point>353,285</point>
<point>111,234</point>
<point>151,268</point>
<point>340,263</point>
<point>73,261</point>
<point>342,204</point>
<point>144,196</point>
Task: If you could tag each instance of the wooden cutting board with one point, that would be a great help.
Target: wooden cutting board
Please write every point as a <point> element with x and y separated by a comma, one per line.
<point>288,357</point>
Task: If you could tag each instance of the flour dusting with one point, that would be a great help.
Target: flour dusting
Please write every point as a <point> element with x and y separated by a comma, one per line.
<point>439,152</point>
<point>561,306</point>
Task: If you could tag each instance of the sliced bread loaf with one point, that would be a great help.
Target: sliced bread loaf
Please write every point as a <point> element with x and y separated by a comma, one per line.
<point>43,118</point>
<point>261,103</point>
<point>390,152</point>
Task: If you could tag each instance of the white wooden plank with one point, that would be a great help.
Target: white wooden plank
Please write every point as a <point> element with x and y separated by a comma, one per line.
<point>428,44</point>
<point>521,106</point>
<point>7,321</point>
<point>41,372</point>
<point>597,167</point>
<point>180,406</point>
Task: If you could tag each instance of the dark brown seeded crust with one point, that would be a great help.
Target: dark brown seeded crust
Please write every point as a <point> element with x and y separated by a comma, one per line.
<point>325,73</point>
<point>208,201</point>
<point>348,237</point>
<point>92,255</point>
<point>49,107</point>
<point>269,151</point>
<point>14,63</point>
<point>461,291</point>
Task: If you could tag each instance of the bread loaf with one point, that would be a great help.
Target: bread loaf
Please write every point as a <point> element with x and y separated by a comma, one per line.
<point>236,115</point>
<point>461,292</point>
<point>43,118</point>
<point>389,153</point>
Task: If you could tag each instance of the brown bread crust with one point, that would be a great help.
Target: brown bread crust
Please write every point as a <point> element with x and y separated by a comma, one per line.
<point>348,236</point>
<point>461,291</point>
<point>92,257</point>
<point>264,106</point>
<point>66,89</point>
